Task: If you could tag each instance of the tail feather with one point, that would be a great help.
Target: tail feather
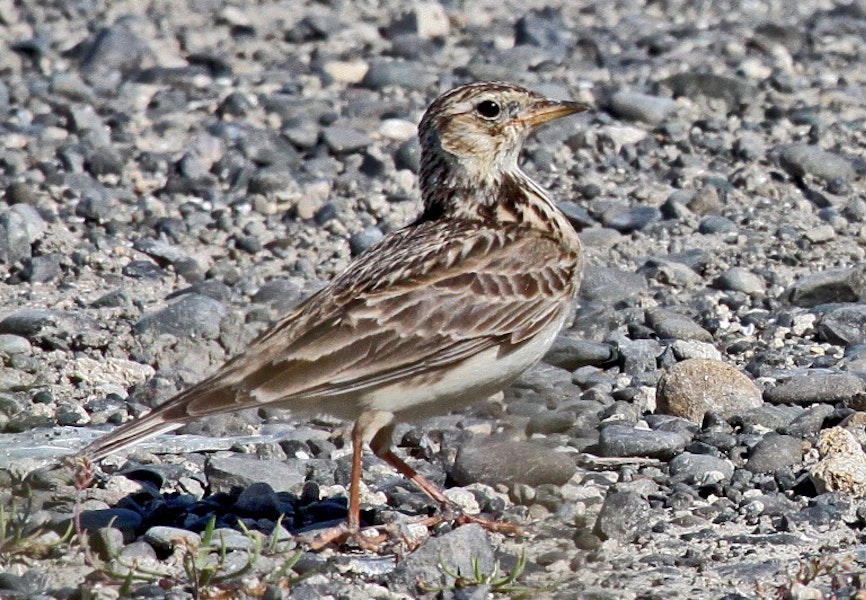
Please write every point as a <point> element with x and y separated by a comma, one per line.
<point>158,421</point>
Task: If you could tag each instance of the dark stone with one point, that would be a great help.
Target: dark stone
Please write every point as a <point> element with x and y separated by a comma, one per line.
<point>775,452</point>
<point>816,387</point>
<point>623,516</point>
<point>621,440</point>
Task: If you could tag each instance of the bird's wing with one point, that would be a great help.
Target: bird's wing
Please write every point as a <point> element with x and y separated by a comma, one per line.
<point>423,299</point>
<point>423,302</point>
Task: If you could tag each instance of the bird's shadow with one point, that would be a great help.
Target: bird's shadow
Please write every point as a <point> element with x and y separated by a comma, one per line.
<point>256,507</point>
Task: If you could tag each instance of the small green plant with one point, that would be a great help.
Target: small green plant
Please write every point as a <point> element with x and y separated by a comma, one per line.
<point>18,538</point>
<point>498,581</point>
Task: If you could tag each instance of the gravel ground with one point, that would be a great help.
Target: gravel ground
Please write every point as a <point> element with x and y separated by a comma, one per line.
<point>177,175</point>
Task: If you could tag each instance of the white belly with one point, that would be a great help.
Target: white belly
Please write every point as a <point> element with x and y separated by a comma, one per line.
<point>475,378</point>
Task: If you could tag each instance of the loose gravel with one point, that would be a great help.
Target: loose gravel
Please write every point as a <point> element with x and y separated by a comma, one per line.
<point>177,175</point>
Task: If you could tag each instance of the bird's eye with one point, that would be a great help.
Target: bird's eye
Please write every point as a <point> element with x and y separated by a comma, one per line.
<point>488,109</point>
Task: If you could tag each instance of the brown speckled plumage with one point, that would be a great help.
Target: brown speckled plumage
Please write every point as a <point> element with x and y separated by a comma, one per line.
<point>450,308</point>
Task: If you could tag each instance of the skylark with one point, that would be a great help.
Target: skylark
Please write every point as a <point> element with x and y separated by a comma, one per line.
<point>453,307</point>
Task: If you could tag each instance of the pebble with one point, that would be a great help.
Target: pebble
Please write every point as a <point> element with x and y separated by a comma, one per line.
<point>460,551</point>
<point>806,159</point>
<point>162,537</point>
<point>816,387</point>
<point>622,440</point>
<point>691,388</point>
<point>702,469</point>
<point>691,84</point>
<point>14,240</point>
<point>193,315</point>
<point>344,139</point>
<point>843,324</point>
<point>409,75</point>
<point>623,516</point>
<point>842,467</point>
<point>227,472</point>
<point>740,279</point>
<point>715,224</point>
<point>609,285</point>
<point>501,461</point>
<point>775,452</point>
<point>668,324</point>
<point>635,106</point>
<point>571,353</point>
<point>633,218</point>
<point>122,519</point>
<point>836,285</point>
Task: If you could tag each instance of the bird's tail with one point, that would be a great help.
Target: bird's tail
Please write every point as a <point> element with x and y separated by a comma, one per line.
<point>160,420</point>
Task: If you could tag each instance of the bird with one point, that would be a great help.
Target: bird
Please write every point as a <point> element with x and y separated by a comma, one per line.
<point>452,307</point>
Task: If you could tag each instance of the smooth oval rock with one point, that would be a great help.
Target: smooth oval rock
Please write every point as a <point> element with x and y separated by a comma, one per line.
<point>495,461</point>
<point>693,387</point>
<point>816,387</point>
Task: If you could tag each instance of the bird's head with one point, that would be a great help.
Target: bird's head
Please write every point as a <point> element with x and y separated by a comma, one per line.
<point>476,131</point>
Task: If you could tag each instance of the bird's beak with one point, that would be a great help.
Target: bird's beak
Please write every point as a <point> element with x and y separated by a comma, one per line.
<point>545,110</point>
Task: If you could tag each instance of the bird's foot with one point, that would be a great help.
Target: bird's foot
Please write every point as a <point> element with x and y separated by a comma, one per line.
<point>368,538</point>
<point>454,514</point>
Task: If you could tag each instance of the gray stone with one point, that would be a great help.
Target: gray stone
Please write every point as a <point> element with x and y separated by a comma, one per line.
<point>161,250</point>
<point>632,218</point>
<point>364,240</point>
<point>609,285</point>
<point>549,422</point>
<point>28,322</point>
<point>623,516</point>
<point>14,239</point>
<point>410,75</point>
<point>122,519</point>
<point>639,356</point>
<point>635,106</point>
<point>844,325</point>
<point>836,285</point>
<point>459,551</point>
<point>740,279</point>
<point>775,452</point>
<point>542,28</point>
<point>258,499</point>
<point>810,421</point>
<point>622,440</point>
<point>700,468</point>
<point>815,387</point>
<point>344,139</point>
<point>231,539</point>
<point>14,344</point>
<point>670,272</point>
<point>501,461</point>
<point>163,537</point>
<point>716,224</point>
<point>225,472</point>
<point>570,353</point>
<point>803,159</point>
<point>671,325</point>
<point>768,416</point>
<point>193,315</point>
<point>686,349</point>
<point>116,49</point>
<point>691,84</point>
